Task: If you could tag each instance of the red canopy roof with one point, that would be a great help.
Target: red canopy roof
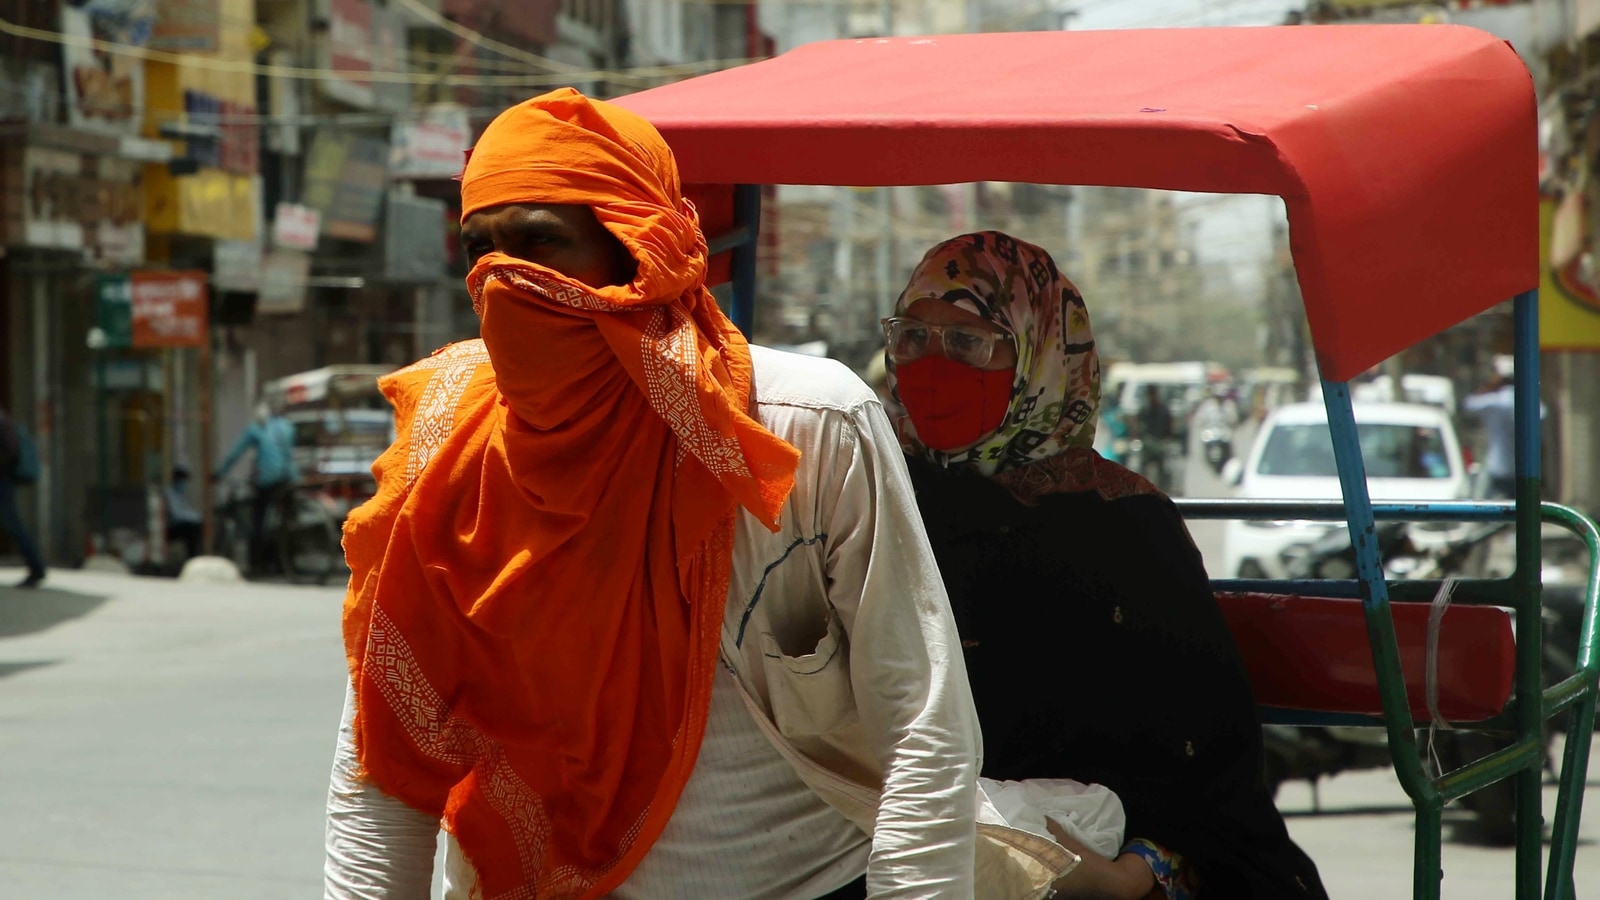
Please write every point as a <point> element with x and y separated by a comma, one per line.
<point>1406,155</point>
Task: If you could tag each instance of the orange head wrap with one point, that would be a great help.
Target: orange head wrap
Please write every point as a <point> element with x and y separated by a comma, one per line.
<point>538,588</point>
<point>565,148</point>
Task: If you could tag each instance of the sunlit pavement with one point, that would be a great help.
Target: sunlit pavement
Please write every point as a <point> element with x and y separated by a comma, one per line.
<point>165,740</point>
<point>169,740</point>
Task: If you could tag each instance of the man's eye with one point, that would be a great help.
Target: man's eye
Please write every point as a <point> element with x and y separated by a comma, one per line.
<point>535,239</point>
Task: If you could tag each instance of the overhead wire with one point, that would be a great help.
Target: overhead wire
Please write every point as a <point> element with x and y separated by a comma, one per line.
<point>304,73</point>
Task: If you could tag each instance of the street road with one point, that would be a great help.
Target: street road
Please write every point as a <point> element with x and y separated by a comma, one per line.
<point>172,741</point>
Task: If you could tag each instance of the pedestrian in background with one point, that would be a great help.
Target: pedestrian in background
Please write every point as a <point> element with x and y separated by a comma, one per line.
<point>19,465</point>
<point>184,521</point>
<point>1495,407</point>
<point>638,611</point>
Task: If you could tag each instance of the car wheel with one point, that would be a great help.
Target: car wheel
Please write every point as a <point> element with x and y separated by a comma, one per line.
<point>1251,568</point>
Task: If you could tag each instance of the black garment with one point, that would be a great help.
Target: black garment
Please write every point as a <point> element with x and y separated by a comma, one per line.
<point>10,447</point>
<point>11,524</point>
<point>1155,422</point>
<point>1097,652</point>
<point>188,534</point>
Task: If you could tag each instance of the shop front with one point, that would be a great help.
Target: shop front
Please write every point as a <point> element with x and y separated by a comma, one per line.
<point>73,211</point>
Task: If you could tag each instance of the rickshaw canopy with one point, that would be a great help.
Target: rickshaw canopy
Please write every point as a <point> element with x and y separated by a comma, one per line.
<point>1406,156</point>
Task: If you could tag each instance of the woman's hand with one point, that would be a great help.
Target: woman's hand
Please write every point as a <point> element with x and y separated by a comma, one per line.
<point>1096,878</point>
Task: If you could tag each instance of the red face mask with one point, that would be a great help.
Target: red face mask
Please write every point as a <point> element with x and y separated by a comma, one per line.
<point>952,405</point>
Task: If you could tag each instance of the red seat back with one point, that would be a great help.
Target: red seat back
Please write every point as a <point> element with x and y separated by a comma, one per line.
<point>1313,654</point>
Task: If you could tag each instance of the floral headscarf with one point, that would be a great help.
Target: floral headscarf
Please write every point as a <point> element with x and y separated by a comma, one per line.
<point>1045,445</point>
<point>1056,392</point>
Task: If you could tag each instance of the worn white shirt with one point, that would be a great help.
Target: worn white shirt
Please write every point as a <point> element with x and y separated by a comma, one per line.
<point>839,636</point>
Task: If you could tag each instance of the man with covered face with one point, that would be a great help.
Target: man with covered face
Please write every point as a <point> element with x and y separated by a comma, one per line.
<point>638,610</point>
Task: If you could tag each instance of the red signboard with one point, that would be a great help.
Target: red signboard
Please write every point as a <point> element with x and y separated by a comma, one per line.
<point>169,309</point>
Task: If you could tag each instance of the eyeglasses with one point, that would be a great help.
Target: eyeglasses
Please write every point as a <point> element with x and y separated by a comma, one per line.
<point>966,344</point>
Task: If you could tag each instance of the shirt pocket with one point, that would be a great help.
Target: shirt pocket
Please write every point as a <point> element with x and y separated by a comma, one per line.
<point>811,694</point>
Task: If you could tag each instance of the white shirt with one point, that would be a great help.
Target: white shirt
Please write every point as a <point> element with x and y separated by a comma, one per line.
<point>838,628</point>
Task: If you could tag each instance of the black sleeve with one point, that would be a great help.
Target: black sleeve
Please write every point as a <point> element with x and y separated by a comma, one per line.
<point>10,446</point>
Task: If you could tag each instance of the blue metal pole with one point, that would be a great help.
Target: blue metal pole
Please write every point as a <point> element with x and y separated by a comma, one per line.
<point>1427,873</point>
<point>747,213</point>
<point>1530,622</point>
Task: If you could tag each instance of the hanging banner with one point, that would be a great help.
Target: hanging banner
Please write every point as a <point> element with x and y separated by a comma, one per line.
<point>285,277</point>
<point>189,25</point>
<point>104,91</point>
<point>295,227</point>
<point>169,308</point>
<point>345,180</point>
<point>349,53</point>
<point>433,146</point>
<point>1569,305</point>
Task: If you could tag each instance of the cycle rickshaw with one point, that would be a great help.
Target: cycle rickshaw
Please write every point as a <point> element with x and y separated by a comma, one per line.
<point>1406,157</point>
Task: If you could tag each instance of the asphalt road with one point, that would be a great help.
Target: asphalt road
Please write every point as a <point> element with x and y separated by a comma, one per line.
<point>172,741</point>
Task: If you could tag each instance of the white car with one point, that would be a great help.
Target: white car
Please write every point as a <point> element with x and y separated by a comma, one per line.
<point>1411,453</point>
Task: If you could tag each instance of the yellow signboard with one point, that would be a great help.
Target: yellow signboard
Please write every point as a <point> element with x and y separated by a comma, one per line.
<point>1569,308</point>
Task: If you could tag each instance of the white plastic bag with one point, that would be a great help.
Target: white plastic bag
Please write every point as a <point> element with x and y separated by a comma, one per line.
<point>1091,813</point>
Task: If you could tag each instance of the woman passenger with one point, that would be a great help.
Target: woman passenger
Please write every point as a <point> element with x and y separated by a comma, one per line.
<point>1095,647</point>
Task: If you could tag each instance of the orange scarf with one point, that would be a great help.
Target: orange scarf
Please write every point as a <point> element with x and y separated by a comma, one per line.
<point>538,587</point>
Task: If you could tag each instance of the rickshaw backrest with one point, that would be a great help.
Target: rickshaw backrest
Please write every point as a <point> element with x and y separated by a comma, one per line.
<point>1312,654</point>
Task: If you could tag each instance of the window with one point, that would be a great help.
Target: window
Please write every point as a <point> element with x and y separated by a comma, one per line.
<point>1390,451</point>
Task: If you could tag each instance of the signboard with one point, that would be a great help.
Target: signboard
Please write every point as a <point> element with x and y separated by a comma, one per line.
<point>345,180</point>
<point>1569,303</point>
<point>349,52</point>
<point>190,25</point>
<point>389,55</point>
<point>414,242</point>
<point>238,147</point>
<point>433,146</point>
<point>295,227</point>
<point>169,308</point>
<point>284,276</point>
<point>114,312</point>
<point>236,266</point>
<point>75,202</point>
<point>104,91</point>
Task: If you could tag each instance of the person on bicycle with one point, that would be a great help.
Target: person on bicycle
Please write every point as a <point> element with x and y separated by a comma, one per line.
<point>1096,649</point>
<point>638,610</point>
<point>271,437</point>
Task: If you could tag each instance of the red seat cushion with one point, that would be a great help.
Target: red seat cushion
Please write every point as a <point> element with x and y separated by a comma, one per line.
<point>1312,653</point>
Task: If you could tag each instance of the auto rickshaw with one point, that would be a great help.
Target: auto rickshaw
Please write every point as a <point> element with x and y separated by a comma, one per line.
<point>1407,159</point>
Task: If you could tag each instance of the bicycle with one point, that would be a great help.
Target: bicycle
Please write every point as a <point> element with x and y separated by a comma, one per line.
<point>302,533</point>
